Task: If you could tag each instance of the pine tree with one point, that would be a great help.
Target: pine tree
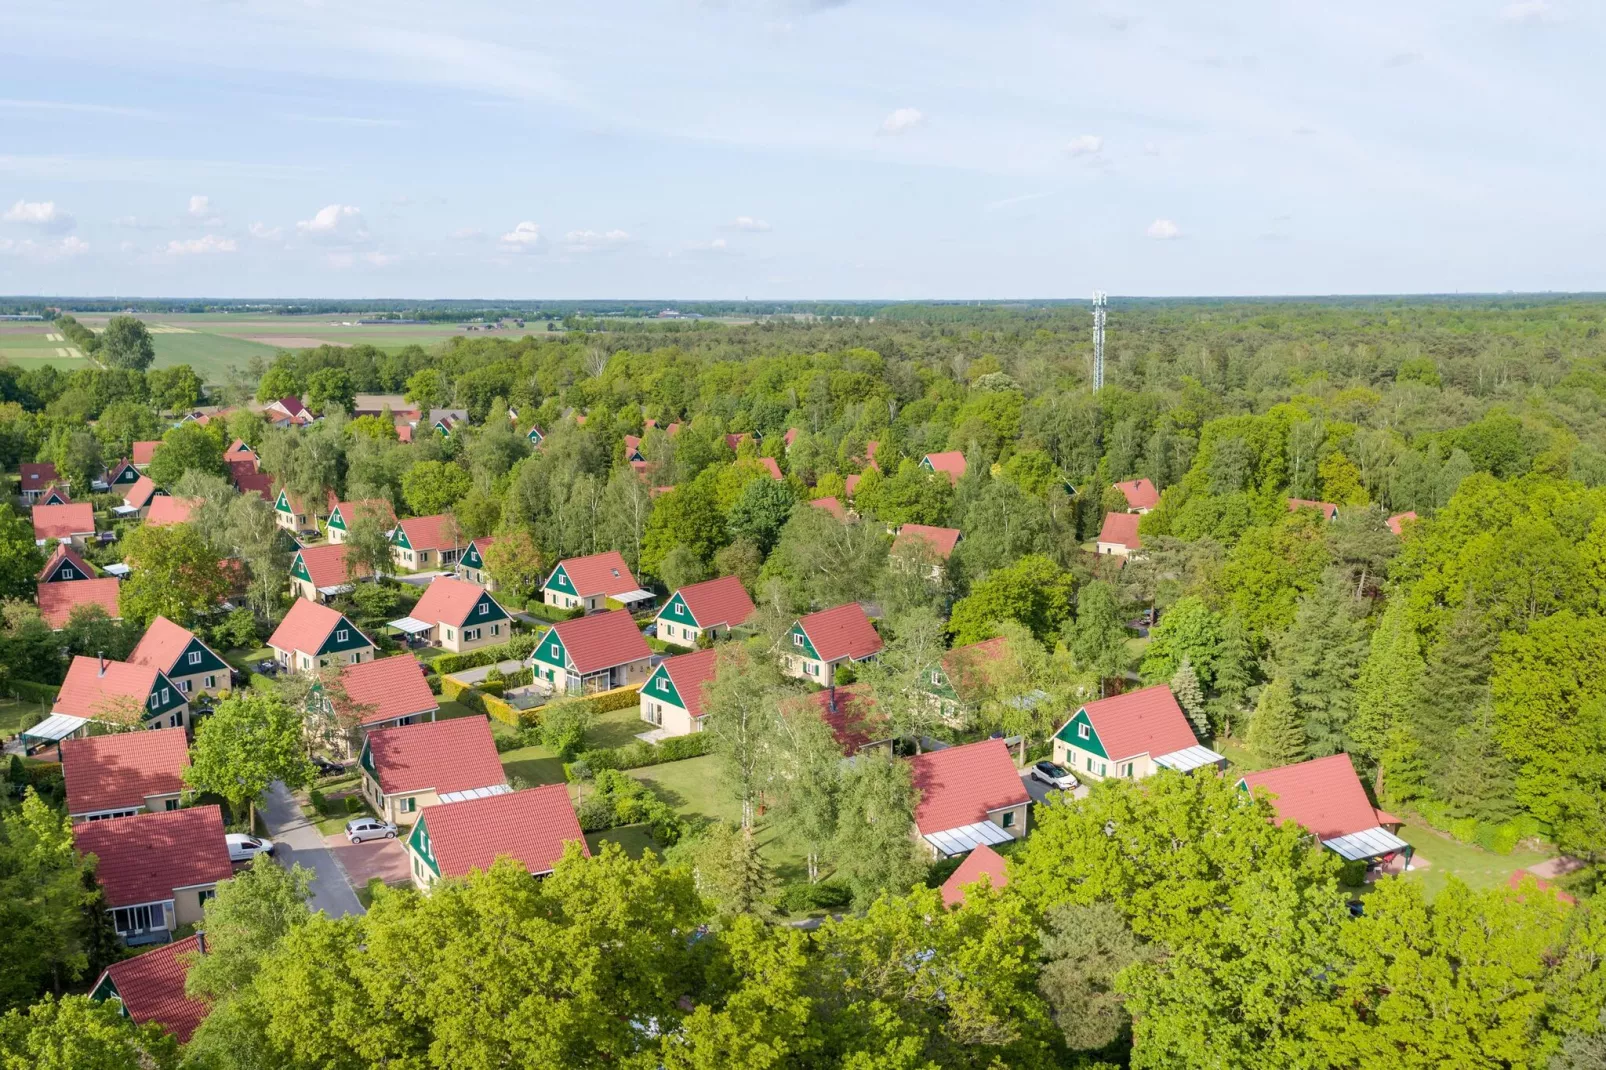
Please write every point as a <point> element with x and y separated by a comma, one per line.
<point>1320,656</point>
<point>1386,688</point>
<point>1277,733</point>
<point>1478,777</point>
<point>1235,668</point>
<point>1453,686</point>
<point>1190,696</point>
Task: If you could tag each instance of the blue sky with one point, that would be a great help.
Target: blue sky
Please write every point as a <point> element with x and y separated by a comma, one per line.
<point>800,148</point>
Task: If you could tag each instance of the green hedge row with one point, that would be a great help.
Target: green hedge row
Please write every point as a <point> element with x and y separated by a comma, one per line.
<point>638,754</point>
<point>479,701</point>
<point>29,691</point>
<point>515,649</point>
<point>1500,837</point>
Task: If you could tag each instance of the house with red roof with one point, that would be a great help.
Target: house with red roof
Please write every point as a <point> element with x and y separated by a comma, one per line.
<point>150,987</point>
<point>790,436</point>
<point>531,827</point>
<point>1325,797</point>
<point>1119,535</point>
<point>408,767</point>
<point>58,600</point>
<point>854,721</point>
<point>735,442</point>
<point>425,542</point>
<point>239,451</point>
<point>950,463</point>
<point>121,693</point>
<point>1130,737</point>
<point>287,412</point>
<point>710,608</point>
<point>462,616</point>
<point>157,870</point>
<point>969,795</point>
<point>248,480</point>
<point>592,582</point>
<point>124,773</point>
<point>981,864</point>
<point>672,697</point>
<point>123,474</point>
<point>850,485</point>
<point>1140,495</point>
<point>192,665</point>
<point>293,514</point>
<point>1328,510</point>
<point>343,514</point>
<point>73,524</point>
<point>773,468</point>
<point>633,449</point>
<point>383,693</point>
<point>312,636</point>
<point>144,451</point>
<point>166,510</point>
<point>318,573</point>
<point>953,684</point>
<point>55,494</point>
<point>472,564</point>
<point>831,505</point>
<point>65,566</point>
<point>36,479</point>
<point>822,642</point>
<point>137,499</point>
<point>923,544</point>
<point>1398,521</point>
<point>590,654</point>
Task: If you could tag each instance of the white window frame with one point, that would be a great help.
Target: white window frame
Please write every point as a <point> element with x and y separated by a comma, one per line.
<point>195,657</point>
<point>341,635</point>
<point>1082,731</point>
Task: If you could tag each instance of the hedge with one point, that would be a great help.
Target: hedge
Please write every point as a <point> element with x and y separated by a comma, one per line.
<point>516,649</point>
<point>639,753</point>
<point>1499,837</point>
<point>29,691</point>
<point>478,701</point>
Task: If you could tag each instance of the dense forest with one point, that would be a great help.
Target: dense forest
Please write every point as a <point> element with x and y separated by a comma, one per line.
<point>1460,663</point>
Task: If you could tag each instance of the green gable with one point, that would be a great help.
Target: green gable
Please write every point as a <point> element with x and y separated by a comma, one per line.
<point>282,504</point>
<point>207,662</point>
<point>559,581</point>
<point>366,760</point>
<point>678,612</point>
<point>298,568</point>
<point>55,575</point>
<point>441,427</point>
<point>807,645</point>
<point>535,436</point>
<point>53,498</point>
<point>107,989</point>
<point>164,697</point>
<point>937,683</point>
<point>418,841</point>
<point>398,537</point>
<point>354,639</point>
<point>492,611</point>
<point>471,557</point>
<point>551,651</point>
<point>336,520</point>
<point>127,474</point>
<point>660,688</point>
<point>925,462</point>
<point>1072,734</point>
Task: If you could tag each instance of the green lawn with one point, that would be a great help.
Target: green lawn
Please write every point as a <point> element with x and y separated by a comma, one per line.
<point>1449,857</point>
<point>693,787</point>
<point>616,727</point>
<point>15,716</point>
<point>635,839</point>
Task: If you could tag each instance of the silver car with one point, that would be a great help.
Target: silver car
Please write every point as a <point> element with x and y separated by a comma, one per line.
<point>359,829</point>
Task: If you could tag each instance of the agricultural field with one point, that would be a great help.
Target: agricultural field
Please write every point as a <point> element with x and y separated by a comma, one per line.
<point>29,345</point>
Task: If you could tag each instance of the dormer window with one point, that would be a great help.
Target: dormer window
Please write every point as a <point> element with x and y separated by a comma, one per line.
<point>484,609</point>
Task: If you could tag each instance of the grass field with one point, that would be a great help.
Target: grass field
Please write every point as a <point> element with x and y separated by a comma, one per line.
<point>29,345</point>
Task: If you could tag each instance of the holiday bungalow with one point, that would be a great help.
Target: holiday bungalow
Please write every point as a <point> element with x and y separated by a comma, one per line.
<point>166,511</point>
<point>125,773</point>
<point>1397,523</point>
<point>312,636</point>
<point>710,608</point>
<point>633,449</point>
<point>1325,797</point>
<point>773,468</point>
<point>593,582</point>
<point>343,514</point>
<point>413,766</point>
<point>532,827</point>
<point>425,542</point>
<point>65,566</point>
<point>157,870</point>
<point>831,505</point>
<point>672,697</point>
<point>1119,535</point>
<point>446,421</point>
<point>73,524</point>
<point>150,987</point>
<point>459,616</point>
<point>535,435</point>
<point>239,451</point>
<point>36,479</point>
<point>950,463</point>
<point>383,693</point>
<point>1130,737</point>
<point>1328,510</point>
<point>137,499</point>
<point>121,693</point>
<point>922,544</point>
<point>969,795</point>
<point>472,564</point>
<point>1140,495</point>
<point>953,682</point>
<point>822,642</point>
<point>57,601</point>
<point>55,494</point>
<point>124,475</point>
<point>287,412</point>
<point>319,573</point>
<point>144,452</point>
<point>591,654</point>
<point>248,480</point>
<point>293,514</point>
<point>189,663</point>
<point>981,864</point>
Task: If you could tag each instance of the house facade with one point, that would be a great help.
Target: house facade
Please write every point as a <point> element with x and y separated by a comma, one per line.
<point>425,542</point>
<point>194,667</point>
<point>1130,737</point>
<point>65,566</point>
<point>318,573</point>
<point>1119,535</point>
<point>343,514</point>
<point>36,478</point>
<point>462,616</point>
<point>292,514</point>
<point>926,547</point>
<point>157,870</point>
<point>672,697</point>
<point>410,767</point>
<point>472,564</point>
<point>970,795</point>
<point>591,654</point>
<point>710,608</point>
<point>590,582</point>
<point>313,636</point>
<point>119,693</point>
<point>822,642</point>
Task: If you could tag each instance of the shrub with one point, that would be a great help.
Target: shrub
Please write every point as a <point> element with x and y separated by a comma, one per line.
<point>1353,873</point>
<point>1464,829</point>
<point>619,799</point>
<point>823,895</point>
<point>29,691</point>
<point>316,798</point>
<point>636,754</point>
<point>845,675</point>
<point>353,804</point>
<point>507,743</point>
<point>1501,839</point>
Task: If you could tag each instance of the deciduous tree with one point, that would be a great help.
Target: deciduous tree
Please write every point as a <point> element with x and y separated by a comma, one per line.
<point>250,740</point>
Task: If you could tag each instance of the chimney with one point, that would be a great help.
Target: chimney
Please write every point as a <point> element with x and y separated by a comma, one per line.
<point>102,655</point>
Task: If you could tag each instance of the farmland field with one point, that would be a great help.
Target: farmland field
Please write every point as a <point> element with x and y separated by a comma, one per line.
<point>29,345</point>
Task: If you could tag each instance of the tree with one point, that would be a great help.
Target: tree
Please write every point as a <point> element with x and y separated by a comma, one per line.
<point>431,487</point>
<point>250,740</point>
<point>176,575</point>
<point>77,456</point>
<point>76,1033</point>
<point>329,389</point>
<point>367,545</point>
<point>823,561</point>
<point>1034,591</point>
<point>90,631</point>
<point>680,567</point>
<point>1190,696</point>
<point>515,563</point>
<point>730,872</point>
<point>263,547</point>
<point>1386,693</point>
<point>873,849</point>
<point>1003,525</point>
<point>377,428</point>
<point>1085,947</point>
<point>760,512</point>
<point>808,780</point>
<point>175,389</point>
<point>42,925</point>
<point>1186,631</point>
<point>189,447</point>
<point>123,423</point>
<point>899,677</point>
<point>1319,658</point>
<point>245,920</point>
<point>741,705</point>
<point>687,516</point>
<point>126,343</point>
<point>742,560</point>
<point>626,505</point>
<point>20,559</point>
<point>1097,639</point>
<point>1277,732</point>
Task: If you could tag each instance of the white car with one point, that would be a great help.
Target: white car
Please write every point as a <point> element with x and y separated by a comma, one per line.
<point>243,848</point>
<point>359,829</point>
<point>1055,776</point>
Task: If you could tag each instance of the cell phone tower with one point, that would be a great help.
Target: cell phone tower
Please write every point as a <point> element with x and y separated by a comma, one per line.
<point>1098,340</point>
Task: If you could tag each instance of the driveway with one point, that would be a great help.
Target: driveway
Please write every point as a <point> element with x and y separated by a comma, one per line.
<point>480,672</point>
<point>419,579</point>
<point>385,859</point>
<point>300,842</point>
<point>1039,790</point>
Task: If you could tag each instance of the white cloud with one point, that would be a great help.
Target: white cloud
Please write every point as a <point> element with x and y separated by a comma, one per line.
<point>330,219</point>
<point>717,247</point>
<point>524,237</point>
<point>43,214</point>
<point>1085,145</point>
<point>265,232</point>
<point>1528,11</point>
<point>749,224</point>
<point>210,243</point>
<point>69,246</point>
<point>591,241</point>
<point>902,121</point>
<point>200,205</point>
<point>72,246</point>
<point>1163,230</point>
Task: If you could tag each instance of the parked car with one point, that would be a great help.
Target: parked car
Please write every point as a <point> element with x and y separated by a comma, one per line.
<point>243,848</point>
<point>326,767</point>
<point>359,829</point>
<point>1055,776</point>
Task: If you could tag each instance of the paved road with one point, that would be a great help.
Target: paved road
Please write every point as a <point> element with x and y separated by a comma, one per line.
<point>480,672</point>
<point>299,841</point>
<point>419,579</point>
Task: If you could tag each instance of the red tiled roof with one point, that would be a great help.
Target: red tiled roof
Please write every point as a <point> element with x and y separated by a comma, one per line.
<point>162,645</point>
<point>851,484</point>
<point>144,451</point>
<point>723,601</point>
<point>326,564</point>
<point>941,540</point>
<point>144,857</point>
<point>1397,522</point>
<point>960,785</point>
<point>773,468</point>
<point>305,627</point>
<point>602,640</point>
<point>379,507</point>
<point>248,480</point>
<point>404,432</point>
<point>65,552</point>
<point>62,521</point>
<point>1121,529</point>
<point>454,755</point>
<point>432,532</point>
<point>841,632</point>
<point>689,672</point>
<point>790,436</point>
<point>447,601</point>
<point>389,688</point>
<point>238,446</point>
<point>38,476</point>
<point>58,600</point>
<point>1514,882</point>
<point>853,719</point>
<point>832,506</point>
<point>950,464</point>
<point>483,543</point>
<point>632,443</point>
<point>291,405</point>
<point>735,441</point>
<point>1146,721</point>
<point>529,826</point>
<point>1324,795</point>
<point>88,693</point>
<point>151,987</point>
<point>119,771</point>
<point>1327,509</point>
<point>605,574</point>
<point>167,510</point>
<point>140,493</point>
<point>982,862</point>
<point>58,491</point>
<point>1140,493</point>
<point>964,664</point>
